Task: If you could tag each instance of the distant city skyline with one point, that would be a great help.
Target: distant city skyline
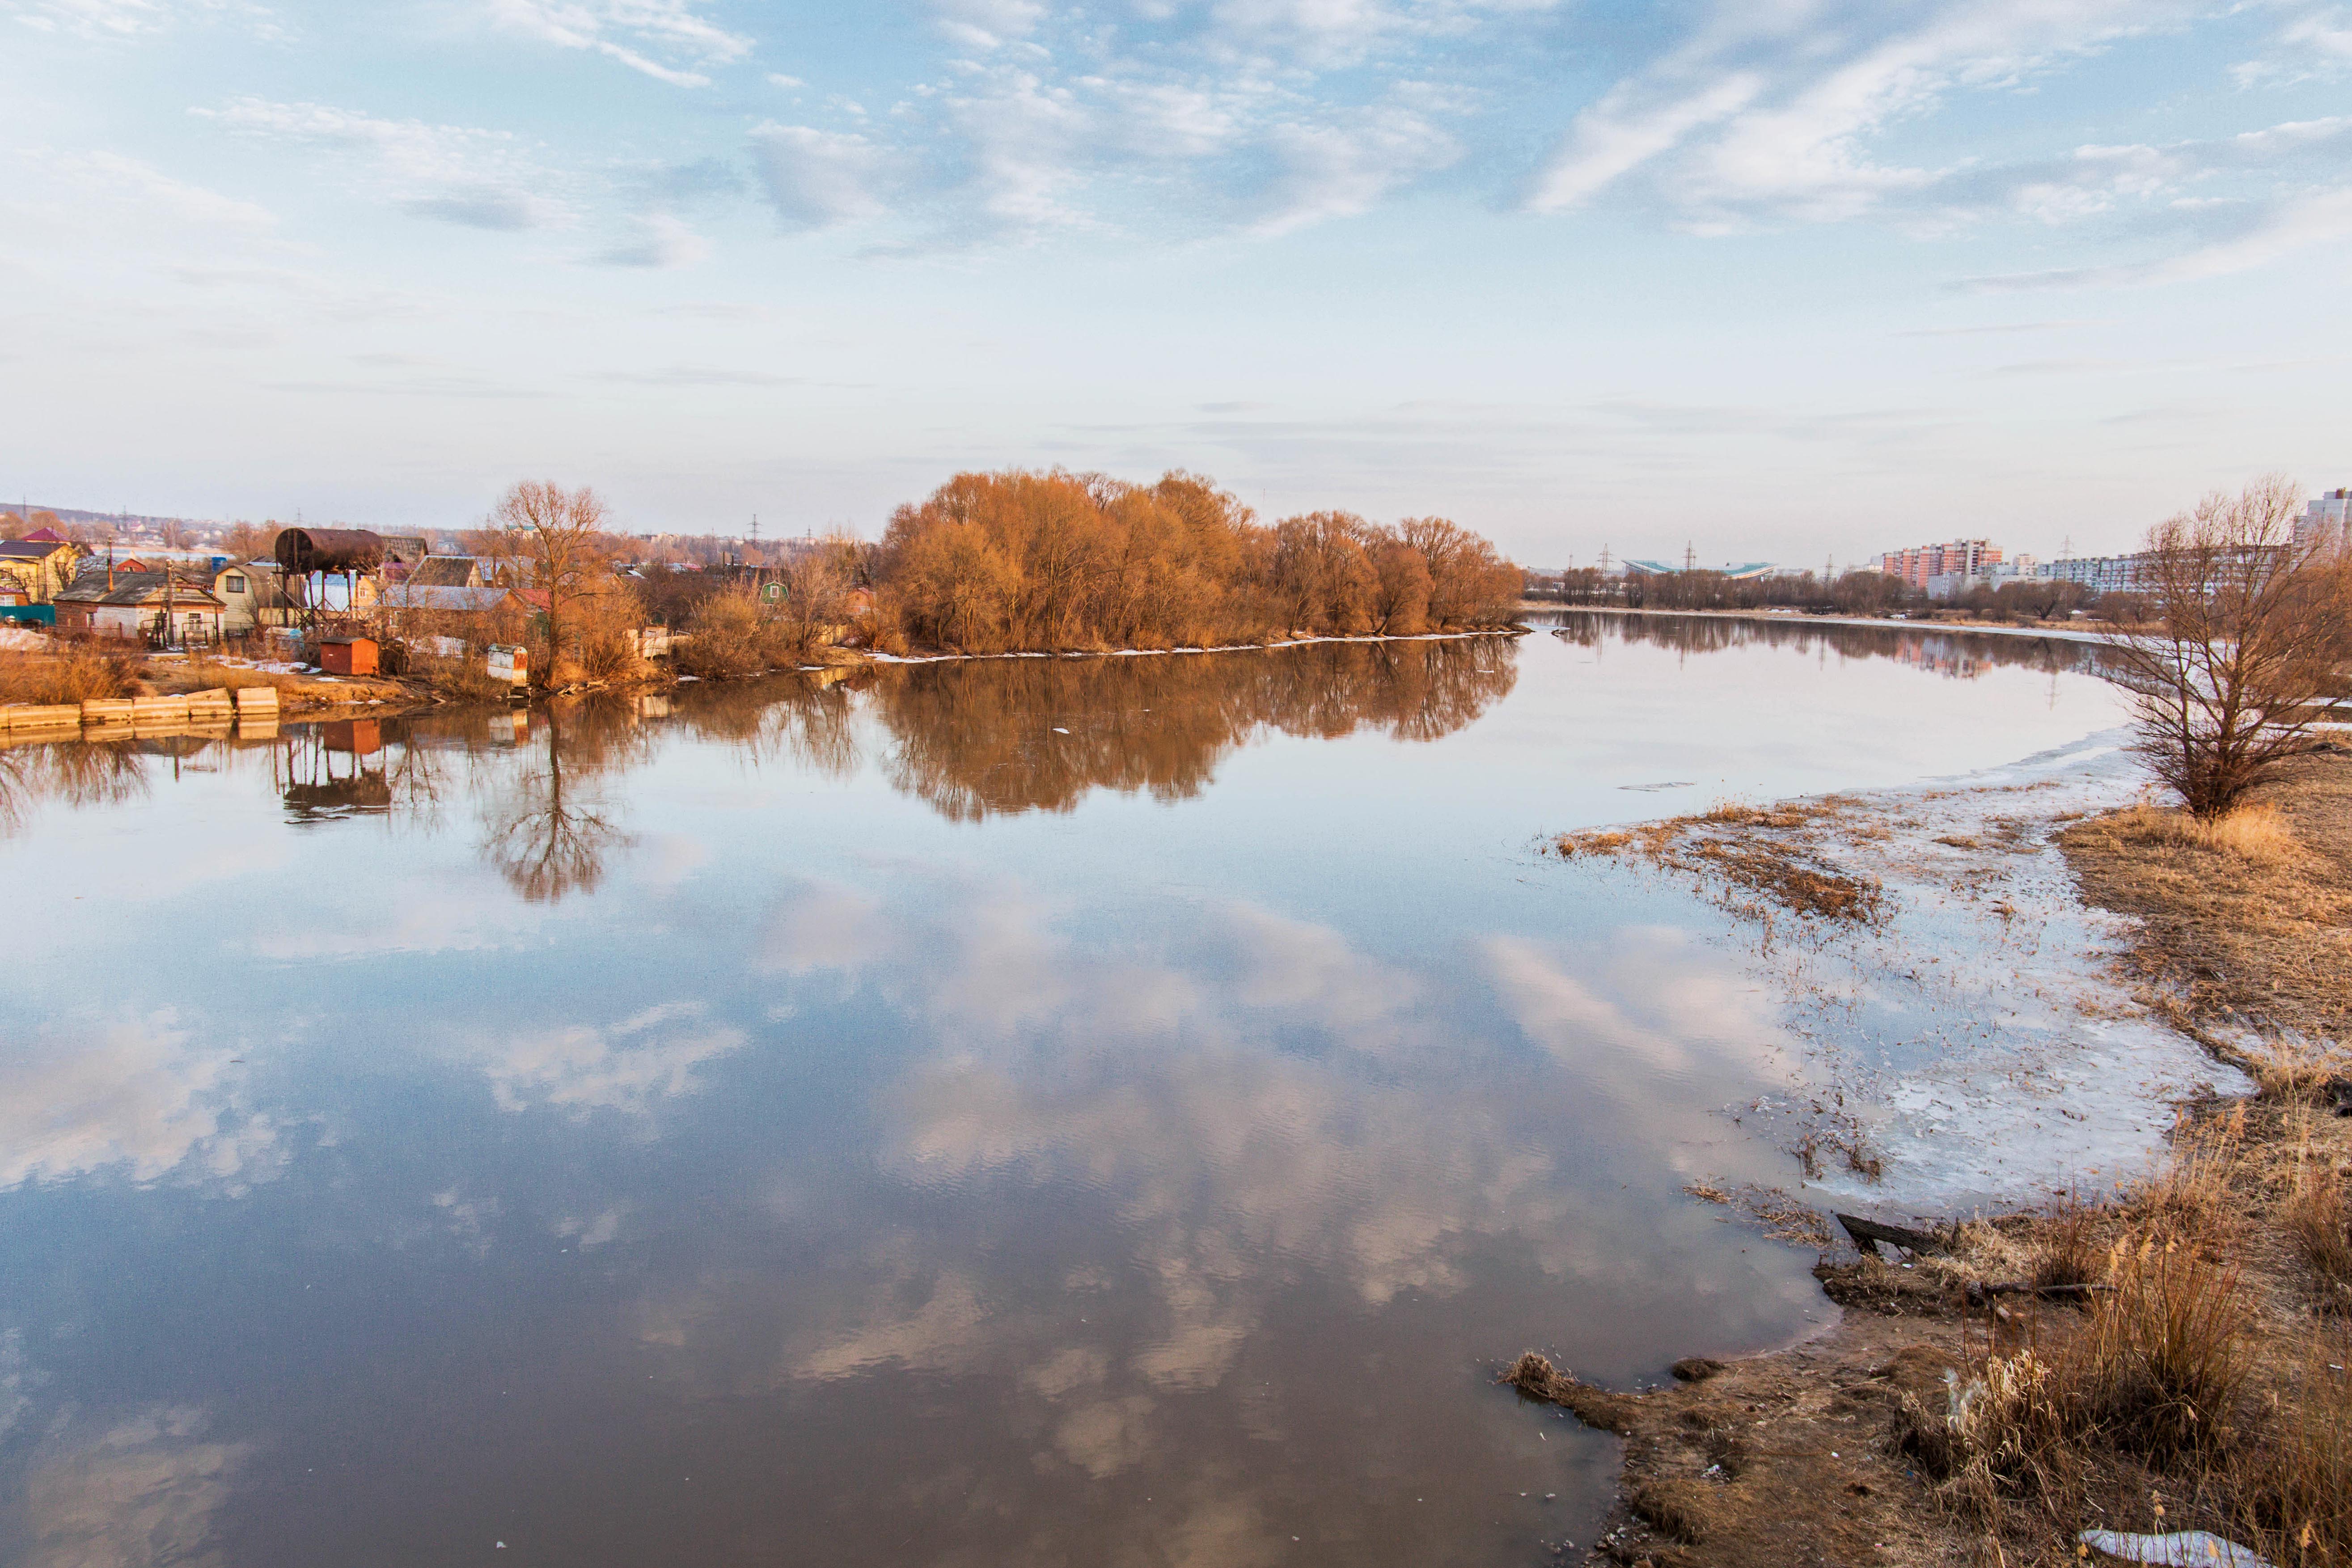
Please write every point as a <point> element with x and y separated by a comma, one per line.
<point>1793,282</point>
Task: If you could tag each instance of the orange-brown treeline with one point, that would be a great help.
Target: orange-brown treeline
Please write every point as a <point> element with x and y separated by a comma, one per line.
<point>1019,560</point>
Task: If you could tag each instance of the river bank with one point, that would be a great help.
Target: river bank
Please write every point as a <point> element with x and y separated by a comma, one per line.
<point>2072,631</point>
<point>2120,1051</point>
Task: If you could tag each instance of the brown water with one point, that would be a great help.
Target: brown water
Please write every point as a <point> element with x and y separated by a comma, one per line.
<point>1043,1111</point>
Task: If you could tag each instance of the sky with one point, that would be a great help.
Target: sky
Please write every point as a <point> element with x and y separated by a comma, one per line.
<point>1798,280</point>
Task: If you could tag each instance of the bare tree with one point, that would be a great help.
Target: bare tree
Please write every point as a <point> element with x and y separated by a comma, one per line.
<point>554,540</point>
<point>2248,641</point>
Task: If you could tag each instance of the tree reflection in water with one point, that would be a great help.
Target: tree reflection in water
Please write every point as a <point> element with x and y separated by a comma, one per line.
<point>1950,651</point>
<point>73,772</point>
<point>978,739</point>
<point>546,828</point>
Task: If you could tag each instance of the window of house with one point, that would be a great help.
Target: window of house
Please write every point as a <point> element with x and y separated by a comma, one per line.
<point>233,583</point>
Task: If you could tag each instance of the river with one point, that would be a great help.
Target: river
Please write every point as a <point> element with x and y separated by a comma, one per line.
<point>1105,1112</point>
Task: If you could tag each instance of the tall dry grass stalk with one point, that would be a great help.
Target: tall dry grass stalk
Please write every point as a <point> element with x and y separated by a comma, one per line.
<point>77,674</point>
<point>2191,1197</point>
<point>2167,1357</point>
<point>2295,1491</point>
<point>2318,1219</point>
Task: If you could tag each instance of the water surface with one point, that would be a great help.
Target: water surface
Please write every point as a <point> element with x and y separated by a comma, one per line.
<point>1053,1111</point>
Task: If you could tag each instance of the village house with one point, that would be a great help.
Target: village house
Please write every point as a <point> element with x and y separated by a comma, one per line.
<point>36,569</point>
<point>131,606</point>
<point>251,594</point>
<point>448,617</point>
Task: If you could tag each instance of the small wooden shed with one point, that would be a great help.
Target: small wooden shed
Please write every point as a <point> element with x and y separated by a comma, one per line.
<point>347,655</point>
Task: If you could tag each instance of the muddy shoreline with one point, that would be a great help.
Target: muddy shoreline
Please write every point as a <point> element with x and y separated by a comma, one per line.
<point>1811,1453</point>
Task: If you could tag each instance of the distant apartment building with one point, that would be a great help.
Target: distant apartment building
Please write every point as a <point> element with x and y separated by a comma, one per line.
<point>1961,558</point>
<point>2101,573</point>
<point>2325,521</point>
<point>1952,584</point>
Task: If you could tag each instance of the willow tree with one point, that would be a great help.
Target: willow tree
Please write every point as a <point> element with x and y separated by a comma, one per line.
<point>2249,637</point>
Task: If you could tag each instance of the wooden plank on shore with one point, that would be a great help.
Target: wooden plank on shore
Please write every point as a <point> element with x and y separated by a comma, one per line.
<point>1868,1233</point>
<point>106,709</point>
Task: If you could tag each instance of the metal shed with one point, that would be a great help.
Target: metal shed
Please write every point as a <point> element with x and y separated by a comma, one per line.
<point>347,655</point>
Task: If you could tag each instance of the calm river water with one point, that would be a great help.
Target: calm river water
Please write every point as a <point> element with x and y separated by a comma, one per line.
<point>1033,1112</point>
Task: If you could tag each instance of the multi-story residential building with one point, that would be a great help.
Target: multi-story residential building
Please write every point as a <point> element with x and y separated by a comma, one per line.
<point>2325,521</point>
<point>2100,573</point>
<point>1958,558</point>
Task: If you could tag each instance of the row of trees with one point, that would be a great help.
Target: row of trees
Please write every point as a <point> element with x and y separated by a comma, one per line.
<point>1019,560</point>
<point>1853,594</point>
<point>1001,562</point>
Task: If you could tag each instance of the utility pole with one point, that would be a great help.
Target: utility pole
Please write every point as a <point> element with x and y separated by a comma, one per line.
<point>1690,556</point>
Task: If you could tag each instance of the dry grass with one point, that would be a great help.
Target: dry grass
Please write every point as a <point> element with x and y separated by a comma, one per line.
<point>73,675</point>
<point>2295,1492</point>
<point>2166,1361</point>
<point>2318,1221</point>
<point>1781,1218</point>
<point>458,679</point>
<point>1744,850</point>
<point>2251,920</point>
<point>2257,832</point>
<point>2066,1252</point>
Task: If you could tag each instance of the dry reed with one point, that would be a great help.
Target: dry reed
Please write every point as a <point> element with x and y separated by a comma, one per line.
<point>71,675</point>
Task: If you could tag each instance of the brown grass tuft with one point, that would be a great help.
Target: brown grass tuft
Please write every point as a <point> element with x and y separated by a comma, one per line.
<point>2295,1491</point>
<point>2255,833</point>
<point>2066,1251</point>
<point>2319,1221</point>
<point>76,675</point>
<point>2166,1360</point>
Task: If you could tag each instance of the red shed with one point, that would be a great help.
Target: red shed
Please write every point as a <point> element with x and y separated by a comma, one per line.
<point>347,655</point>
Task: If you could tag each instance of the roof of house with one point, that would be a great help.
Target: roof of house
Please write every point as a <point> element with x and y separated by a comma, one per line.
<point>46,536</point>
<point>144,587</point>
<point>30,549</point>
<point>414,596</point>
<point>448,571</point>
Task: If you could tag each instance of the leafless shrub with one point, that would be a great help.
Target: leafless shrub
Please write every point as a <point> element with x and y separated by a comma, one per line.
<point>2250,636</point>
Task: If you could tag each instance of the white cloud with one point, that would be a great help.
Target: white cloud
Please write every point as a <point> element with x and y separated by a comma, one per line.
<point>815,179</point>
<point>1339,169</point>
<point>453,173</point>
<point>92,19</point>
<point>661,241</point>
<point>114,178</point>
<point>630,31</point>
<point>1769,112</point>
<point>146,1490</point>
<point>2316,46</point>
<point>2275,233</point>
<point>137,1096</point>
<point>629,1066</point>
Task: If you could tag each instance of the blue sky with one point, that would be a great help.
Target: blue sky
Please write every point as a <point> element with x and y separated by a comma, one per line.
<point>1779,279</point>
